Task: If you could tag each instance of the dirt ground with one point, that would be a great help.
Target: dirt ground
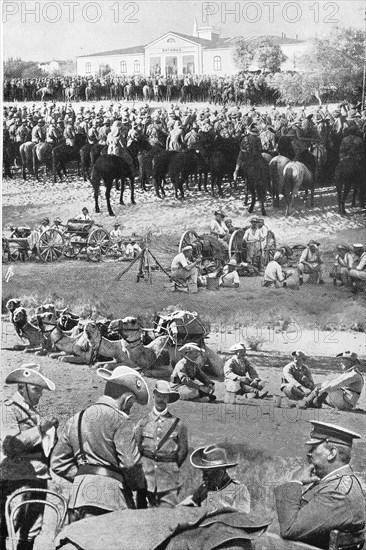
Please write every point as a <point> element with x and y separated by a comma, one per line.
<point>268,442</point>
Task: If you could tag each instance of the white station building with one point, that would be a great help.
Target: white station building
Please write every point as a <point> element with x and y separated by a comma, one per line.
<point>174,53</point>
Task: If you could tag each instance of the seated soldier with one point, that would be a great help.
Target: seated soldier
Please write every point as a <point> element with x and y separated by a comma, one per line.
<point>311,262</point>
<point>343,392</point>
<point>184,268</point>
<point>358,273</point>
<point>297,380</point>
<point>253,240</point>
<point>187,377</point>
<point>84,216</point>
<point>240,377</point>
<point>343,263</point>
<point>230,276</point>
<point>218,226</point>
<point>217,490</point>
<point>116,239</point>
<point>274,274</point>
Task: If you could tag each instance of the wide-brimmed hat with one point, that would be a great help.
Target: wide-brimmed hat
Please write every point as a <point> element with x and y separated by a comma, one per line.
<point>350,356</point>
<point>277,255</point>
<point>322,431</point>
<point>237,347</point>
<point>314,243</point>
<point>162,387</point>
<point>190,346</point>
<point>219,213</point>
<point>30,373</point>
<point>210,457</point>
<point>128,379</point>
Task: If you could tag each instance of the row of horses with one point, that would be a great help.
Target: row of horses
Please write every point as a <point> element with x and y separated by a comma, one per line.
<point>212,155</point>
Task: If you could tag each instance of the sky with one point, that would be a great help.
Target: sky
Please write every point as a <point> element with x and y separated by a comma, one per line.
<point>63,29</point>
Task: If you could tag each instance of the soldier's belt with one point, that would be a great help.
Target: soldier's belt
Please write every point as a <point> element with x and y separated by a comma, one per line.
<point>90,469</point>
<point>158,458</point>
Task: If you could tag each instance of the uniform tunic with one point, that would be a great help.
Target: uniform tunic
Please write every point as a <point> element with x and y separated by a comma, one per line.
<point>296,375</point>
<point>108,441</point>
<point>185,372</point>
<point>162,472</point>
<point>23,461</point>
<point>235,368</point>
<point>308,514</point>
<point>345,390</point>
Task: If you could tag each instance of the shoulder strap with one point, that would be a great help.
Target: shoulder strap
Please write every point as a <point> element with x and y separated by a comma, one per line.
<point>81,446</point>
<point>167,434</point>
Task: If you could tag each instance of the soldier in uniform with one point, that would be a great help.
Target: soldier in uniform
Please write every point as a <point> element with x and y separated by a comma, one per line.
<point>69,133</point>
<point>240,377</point>
<point>218,490</point>
<point>38,132</point>
<point>358,272</point>
<point>97,451</point>
<point>311,262</point>
<point>187,377</point>
<point>343,392</point>
<point>297,380</point>
<point>163,443</point>
<point>325,494</point>
<point>93,133</point>
<point>27,441</point>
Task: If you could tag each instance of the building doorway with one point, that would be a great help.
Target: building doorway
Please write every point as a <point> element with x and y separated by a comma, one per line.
<point>171,65</point>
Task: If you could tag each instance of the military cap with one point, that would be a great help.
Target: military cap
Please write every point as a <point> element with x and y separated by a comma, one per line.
<point>358,246</point>
<point>237,347</point>
<point>210,457</point>
<point>128,379</point>
<point>312,242</point>
<point>186,248</point>
<point>162,387</point>
<point>191,346</point>
<point>30,373</point>
<point>322,431</point>
<point>254,220</point>
<point>57,220</point>
<point>350,356</point>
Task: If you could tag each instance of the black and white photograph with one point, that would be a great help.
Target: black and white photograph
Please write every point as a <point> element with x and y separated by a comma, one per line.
<point>183,328</point>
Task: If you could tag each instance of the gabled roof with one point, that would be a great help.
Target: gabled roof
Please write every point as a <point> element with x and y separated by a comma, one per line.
<point>216,43</point>
<point>123,51</point>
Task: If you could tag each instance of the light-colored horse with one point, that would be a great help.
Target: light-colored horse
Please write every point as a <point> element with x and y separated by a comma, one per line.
<point>296,175</point>
<point>276,168</point>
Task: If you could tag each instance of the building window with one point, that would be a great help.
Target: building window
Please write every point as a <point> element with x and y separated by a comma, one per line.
<point>88,68</point>
<point>136,67</point>
<point>217,63</point>
<point>155,66</point>
<point>170,40</point>
<point>123,67</point>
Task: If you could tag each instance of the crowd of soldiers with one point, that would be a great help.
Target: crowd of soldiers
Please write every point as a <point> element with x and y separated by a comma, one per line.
<point>112,465</point>
<point>240,88</point>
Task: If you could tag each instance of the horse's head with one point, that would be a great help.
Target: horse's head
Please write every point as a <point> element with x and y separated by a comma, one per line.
<point>13,304</point>
<point>20,317</point>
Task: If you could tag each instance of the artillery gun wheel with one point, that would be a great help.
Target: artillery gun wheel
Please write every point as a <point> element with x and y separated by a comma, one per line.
<point>99,238</point>
<point>188,238</point>
<point>50,246</point>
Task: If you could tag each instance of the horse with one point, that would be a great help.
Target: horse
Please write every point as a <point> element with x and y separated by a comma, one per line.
<point>26,157</point>
<point>148,92</point>
<point>130,92</point>
<point>349,172</point>
<point>276,168</point>
<point>109,168</point>
<point>42,155</point>
<point>44,92</point>
<point>88,156</point>
<point>295,174</point>
<point>62,154</point>
<point>70,93</point>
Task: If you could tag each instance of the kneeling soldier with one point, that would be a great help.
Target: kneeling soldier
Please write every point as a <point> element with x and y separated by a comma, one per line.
<point>163,443</point>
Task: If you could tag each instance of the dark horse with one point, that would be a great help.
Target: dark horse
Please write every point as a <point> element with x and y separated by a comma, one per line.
<point>109,168</point>
<point>62,154</point>
<point>349,172</point>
